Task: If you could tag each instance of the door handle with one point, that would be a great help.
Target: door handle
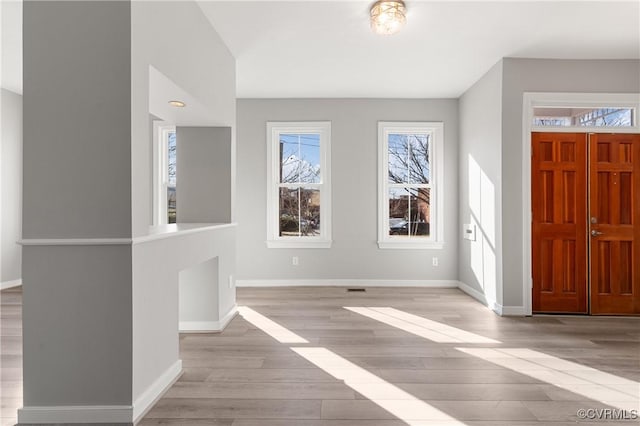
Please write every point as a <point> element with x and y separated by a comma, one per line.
<point>596,233</point>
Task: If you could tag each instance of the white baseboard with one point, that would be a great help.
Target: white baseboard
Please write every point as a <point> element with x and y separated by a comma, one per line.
<point>154,392</point>
<point>10,284</point>
<point>492,304</point>
<point>513,311</point>
<point>112,414</point>
<point>88,414</point>
<point>228,317</point>
<point>348,283</point>
<point>207,326</point>
<point>476,294</point>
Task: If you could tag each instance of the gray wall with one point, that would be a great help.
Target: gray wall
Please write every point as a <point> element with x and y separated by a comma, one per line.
<point>11,179</point>
<point>77,144</point>
<point>92,335</point>
<point>77,326</point>
<point>539,75</point>
<point>77,137</point>
<point>480,184</point>
<point>354,253</point>
<point>203,186</point>
<point>194,57</point>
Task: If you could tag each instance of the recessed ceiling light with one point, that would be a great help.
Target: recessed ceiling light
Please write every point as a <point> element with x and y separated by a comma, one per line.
<point>178,104</point>
<point>388,16</point>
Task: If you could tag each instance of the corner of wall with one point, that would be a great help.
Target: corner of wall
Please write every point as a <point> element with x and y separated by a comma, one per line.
<point>480,184</point>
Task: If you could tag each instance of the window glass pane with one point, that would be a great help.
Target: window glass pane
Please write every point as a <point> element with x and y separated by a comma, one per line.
<point>299,212</point>
<point>299,158</point>
<point>419,159</point>
<point>409,211</point>
<point>398,149</point>
<point>171,182</point>
<point>583,117</point>
<point>409,160</point>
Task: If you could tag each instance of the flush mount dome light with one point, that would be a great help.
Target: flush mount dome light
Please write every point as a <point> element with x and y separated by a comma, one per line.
<point>177,104</point>
<point>388,16</point>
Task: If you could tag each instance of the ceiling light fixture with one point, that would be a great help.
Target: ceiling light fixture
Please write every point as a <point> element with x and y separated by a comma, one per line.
<point>388,16</point>
<point>177,104</point>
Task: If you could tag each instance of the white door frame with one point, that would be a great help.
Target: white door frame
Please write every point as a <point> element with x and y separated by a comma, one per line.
<point>576,100</point>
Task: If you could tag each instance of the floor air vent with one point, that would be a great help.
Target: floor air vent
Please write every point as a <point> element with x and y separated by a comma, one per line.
<point>356,289</point>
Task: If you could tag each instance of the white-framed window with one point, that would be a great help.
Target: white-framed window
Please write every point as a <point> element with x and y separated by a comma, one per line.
<point>410,180</point>
<point>298,184</point>
<point>164,154</point>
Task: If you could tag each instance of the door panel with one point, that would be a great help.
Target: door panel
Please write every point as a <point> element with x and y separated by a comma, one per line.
<point>614,164</point>
<point>559,228</point>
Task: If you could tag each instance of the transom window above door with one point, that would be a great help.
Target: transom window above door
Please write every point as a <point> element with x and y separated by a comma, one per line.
<point>584,117</point>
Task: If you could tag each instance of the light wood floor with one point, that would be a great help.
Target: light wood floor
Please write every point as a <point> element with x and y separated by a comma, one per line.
<point>354,370</point>
<point>10,355</point>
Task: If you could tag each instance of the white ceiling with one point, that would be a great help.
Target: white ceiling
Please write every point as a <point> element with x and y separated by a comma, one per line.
<point>326,48</point>
<point>11,45</point>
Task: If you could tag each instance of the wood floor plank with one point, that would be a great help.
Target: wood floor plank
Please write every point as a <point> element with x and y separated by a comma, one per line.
<point>444,410</point>
<point>199,408</point>
<point>264,390</point>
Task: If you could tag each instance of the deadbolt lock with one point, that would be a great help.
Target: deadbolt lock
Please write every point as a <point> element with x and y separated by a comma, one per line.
<point>594,219</point>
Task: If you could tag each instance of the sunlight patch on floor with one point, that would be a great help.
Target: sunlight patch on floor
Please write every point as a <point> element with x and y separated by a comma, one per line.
<point>423,327</point>
<point>401,404</point>
<point>579,379</point>
<point>270,327</point>
<point>396,401</point>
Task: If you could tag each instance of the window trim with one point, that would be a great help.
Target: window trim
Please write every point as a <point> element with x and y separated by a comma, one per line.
<point>436,239</point>
<point>161,132</point>
<point>274,129</point>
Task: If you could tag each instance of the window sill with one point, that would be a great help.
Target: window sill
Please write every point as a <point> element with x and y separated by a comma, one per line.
<point>313,244</point>
<point>420,245</point>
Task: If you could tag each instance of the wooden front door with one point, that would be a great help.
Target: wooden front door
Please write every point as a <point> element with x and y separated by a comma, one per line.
<point>586,231</point>
<point>559,228</point>
<point>614,206</point>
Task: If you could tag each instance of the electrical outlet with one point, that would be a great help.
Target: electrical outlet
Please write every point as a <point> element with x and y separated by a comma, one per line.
<point>294,260</point>
<point>230,281</point>
<point>434,261</point>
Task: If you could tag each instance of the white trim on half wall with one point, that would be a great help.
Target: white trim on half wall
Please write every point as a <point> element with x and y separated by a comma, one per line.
<point>10,284</point>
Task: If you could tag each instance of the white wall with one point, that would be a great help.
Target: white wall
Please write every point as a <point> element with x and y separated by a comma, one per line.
<point>354,253</point>
<point>177,40</point>
<point>480,162</point>
<point>11,47</point>
<point>11,179</point>
<point>157,266</point>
